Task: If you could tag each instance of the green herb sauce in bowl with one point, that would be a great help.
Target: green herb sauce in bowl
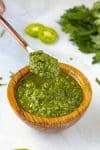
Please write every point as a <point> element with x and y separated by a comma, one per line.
<point>46,91</point>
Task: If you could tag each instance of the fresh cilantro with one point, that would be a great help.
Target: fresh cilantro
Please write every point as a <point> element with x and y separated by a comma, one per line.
<point>83,26</point>
<point>96,9</point>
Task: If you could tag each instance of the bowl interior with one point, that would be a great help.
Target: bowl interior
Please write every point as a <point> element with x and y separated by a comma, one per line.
<point>67,69</point>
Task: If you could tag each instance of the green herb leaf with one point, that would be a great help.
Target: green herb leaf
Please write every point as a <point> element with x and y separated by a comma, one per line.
<point>96,9</point>
<point>84,28</point>
<point>11,74</point>
<point>2,33</point>
<point>96,40</point>
<point>98,81</point>
<point>21,149</point>
<point>71,58</point>
<point>96,5</point>
<point>1,78</point>
<point>1,84</point>
<point>77,13</point>
<point>96,58</point>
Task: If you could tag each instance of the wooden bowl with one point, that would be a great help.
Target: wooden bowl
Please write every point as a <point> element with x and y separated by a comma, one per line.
<point>51,124</point>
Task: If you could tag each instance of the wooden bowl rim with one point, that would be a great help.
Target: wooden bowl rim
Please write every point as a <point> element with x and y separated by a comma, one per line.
<point>79,76</point>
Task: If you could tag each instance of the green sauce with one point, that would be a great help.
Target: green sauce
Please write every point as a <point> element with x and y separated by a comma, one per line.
<point>46,92</point>
<point>43,65</point>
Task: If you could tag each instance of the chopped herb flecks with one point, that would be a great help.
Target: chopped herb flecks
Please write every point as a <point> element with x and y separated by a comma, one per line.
<point>71,58</point>
<point>47,91</point>
<point>21,149</point>
<point>98,81</point>
<point>2,84</point>
<point>2,33</point>
<point>11,74</point>
<point>1,78</point>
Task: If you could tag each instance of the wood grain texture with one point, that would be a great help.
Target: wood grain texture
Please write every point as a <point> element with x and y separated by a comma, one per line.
<point>51,124</point>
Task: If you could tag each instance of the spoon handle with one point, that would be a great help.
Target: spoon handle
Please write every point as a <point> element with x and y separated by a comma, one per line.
<point>16,35</point>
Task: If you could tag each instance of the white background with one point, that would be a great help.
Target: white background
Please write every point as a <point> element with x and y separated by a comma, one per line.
<point>84,135</point>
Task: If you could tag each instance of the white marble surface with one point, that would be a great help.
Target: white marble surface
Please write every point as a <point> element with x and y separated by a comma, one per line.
<point>85,135</point>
